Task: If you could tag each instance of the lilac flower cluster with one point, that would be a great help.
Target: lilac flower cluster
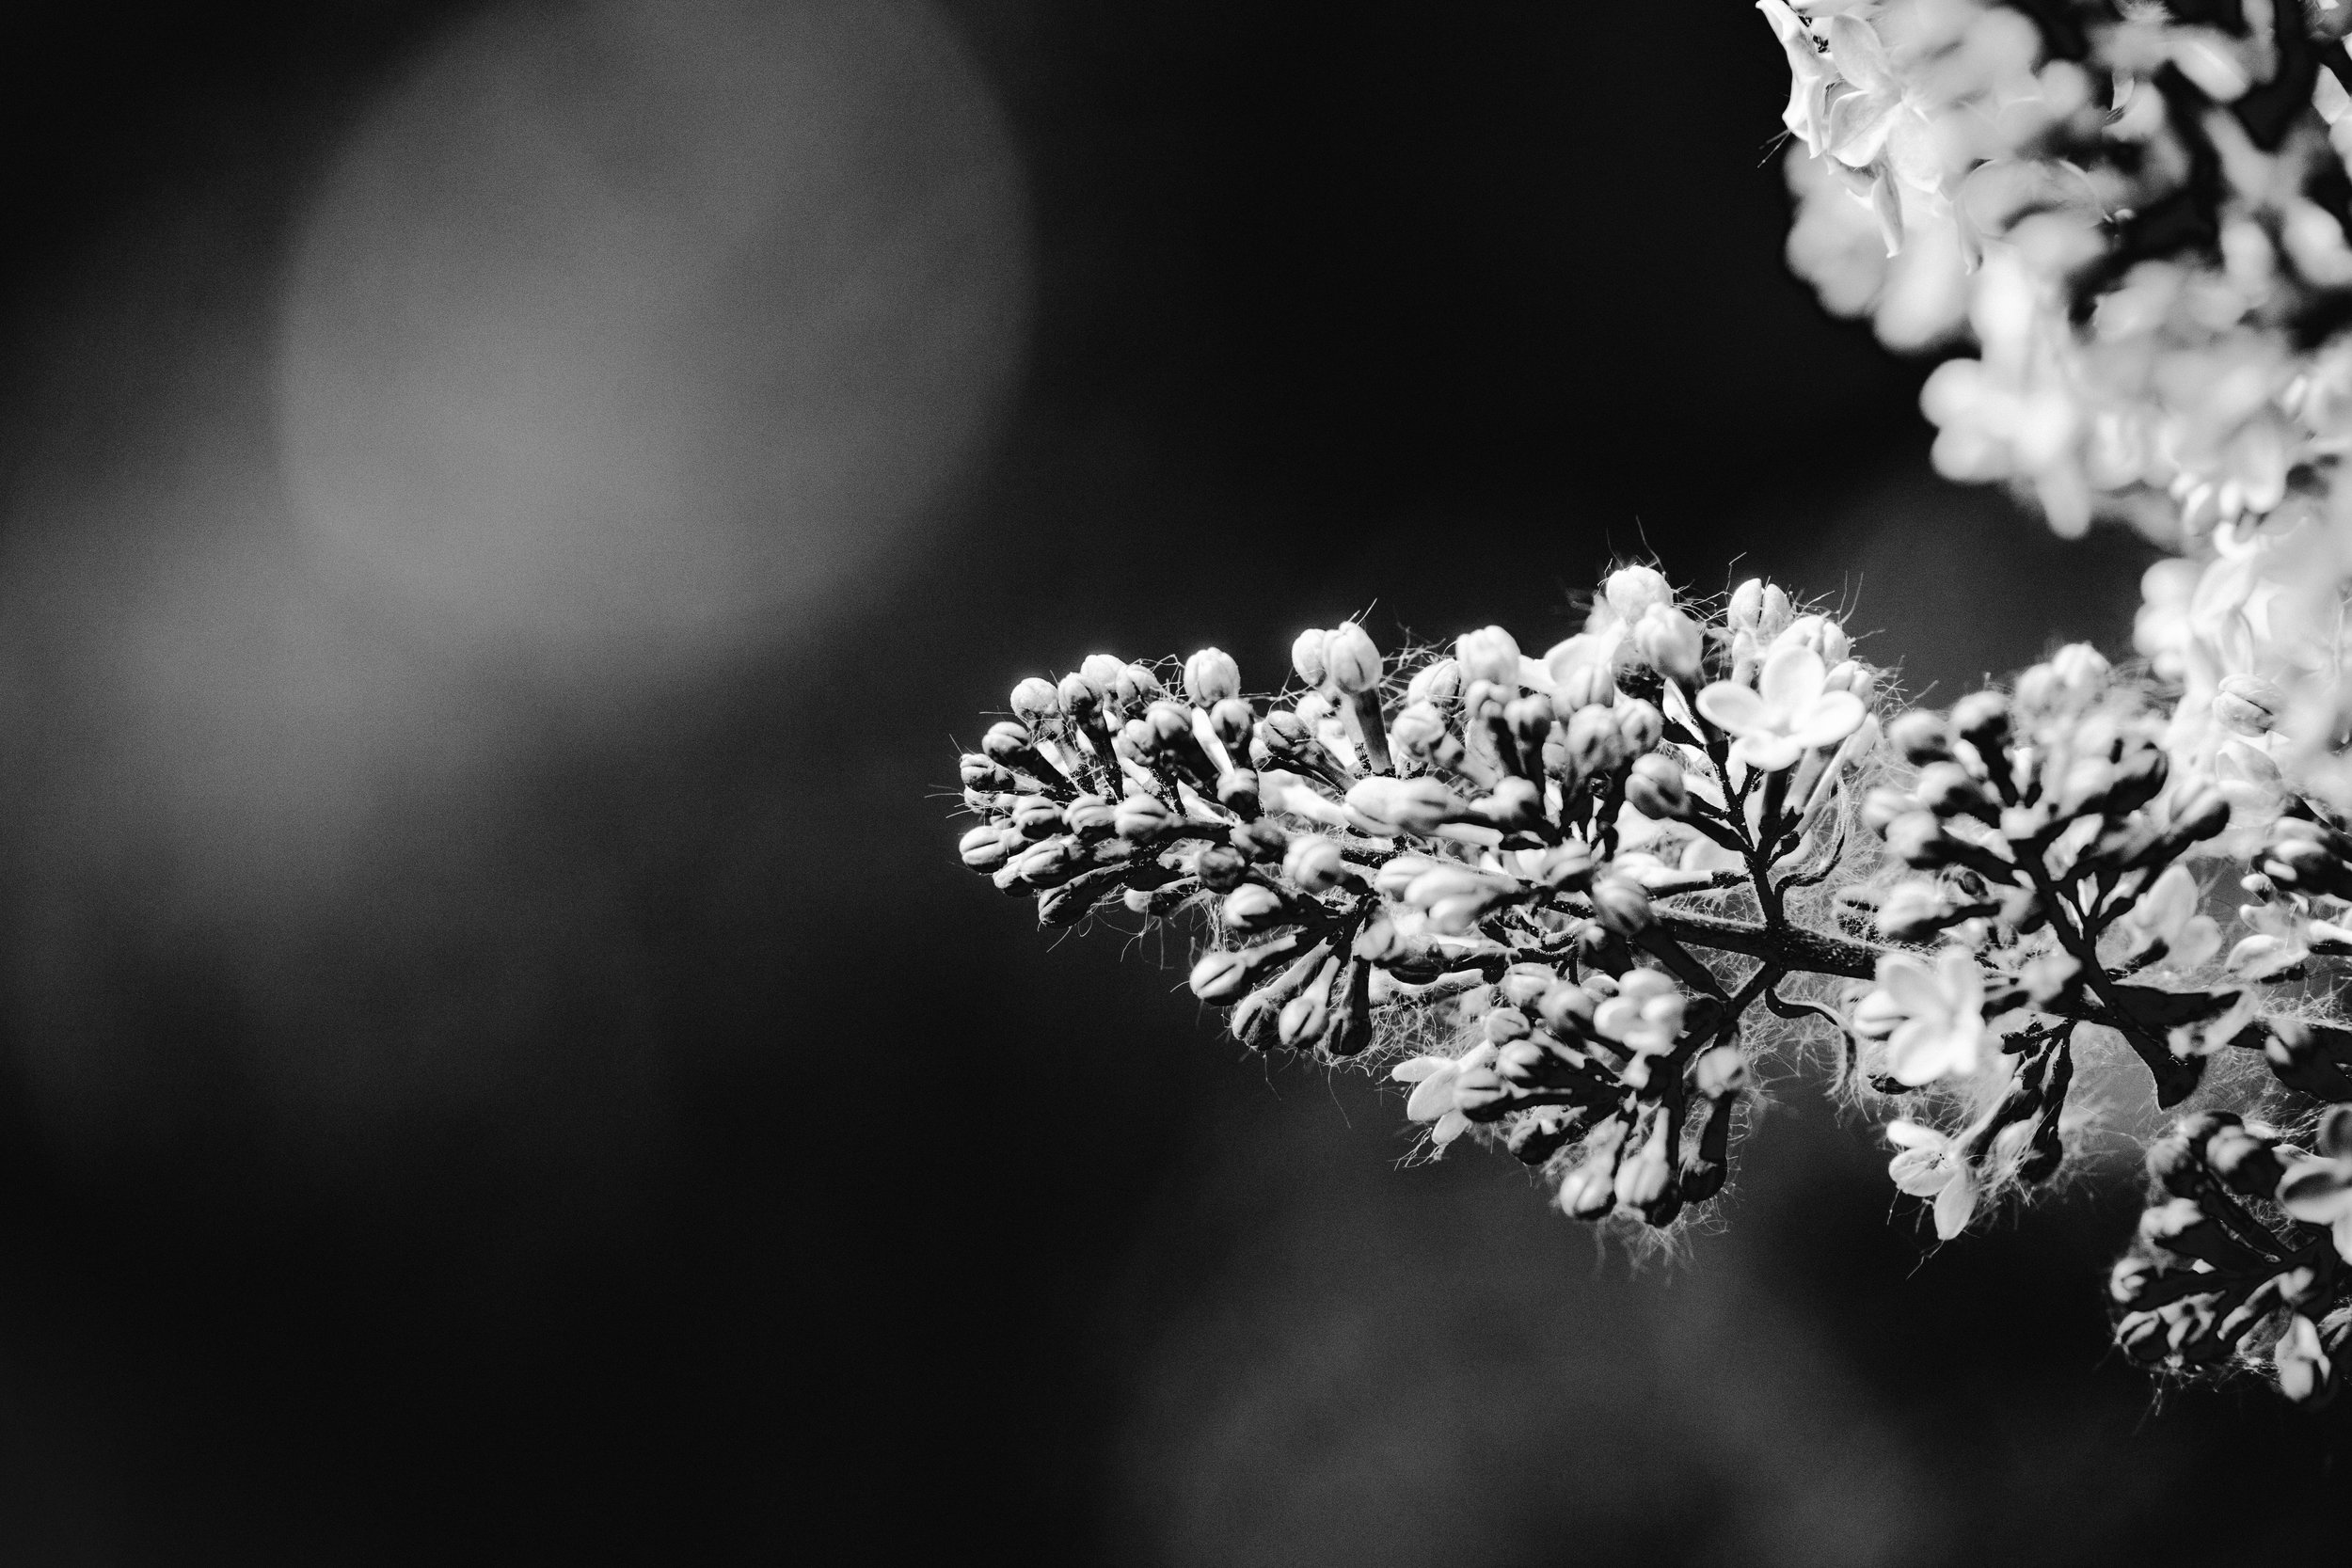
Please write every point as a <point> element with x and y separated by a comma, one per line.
<point>2138,212</point>
<point>1565,897</point>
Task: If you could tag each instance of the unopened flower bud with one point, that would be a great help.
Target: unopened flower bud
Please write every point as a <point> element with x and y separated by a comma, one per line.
<point>1530,717</point>
<point>1747,605</point>
<point>1221,977</point>
<point>1721,1072</point>
<point>1088,814</point>
<point>1502,1025</point>
<point>1418,730</point>
<point>1079,697</point>
<point>1253,907</point>
<point>1034,700</point>
<point>1981,719</point>
<point>1670,642</point>
<point>1918,734</point>
<point>1037,816</point>
<point>2082,671</point>
<point>1237,791</point>
<point>1260,841</point>
<point>2334,1136</point>
<point>1593,743</point>
<point>1523,986</point>
<point>1590,1190</point>
<point>1221,867</point>
<point>1307,655</point>
<point>1948,789</point>
<point>1656,789</point>
<point>1211,678</point>
<point>1314,864</point>
<point>2248,704</point>
<point>1641,725</point>
<point>1134,689</point>
<point>2200,818</point>
<point>1514,805</point>
<point>1304,1017</point>
<point>1621,905</point>
<point>1641,1174</point>
<point>1912,912</point>
<point>1104,670</point>
<point>1882,804</point>
<point>1566,1009</point>
<point>1349,659</point>
<point>978,770</point>
<point>1142,817</point>
<point>1490,655</point>
<point>1004,740</point>
<point>1230,720</point>
<point>1439,683</point>
<point>1632,591</point>
<point>984,847</point>
<point>1587,683</point>
<point>1918,839</point>
<point>1420,805</point>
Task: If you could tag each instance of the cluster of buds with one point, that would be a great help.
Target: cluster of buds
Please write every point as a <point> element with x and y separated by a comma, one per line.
<point>1576,872</point>
<point>1622,1085</point>
<point>2241,1254</point>
<point>2045,857</point>
<point>1554,895</point>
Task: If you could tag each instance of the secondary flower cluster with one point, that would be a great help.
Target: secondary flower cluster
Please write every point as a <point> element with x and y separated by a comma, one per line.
<point>2138,212</point>
<point>2242,1253</point>
<point>1562,898</point>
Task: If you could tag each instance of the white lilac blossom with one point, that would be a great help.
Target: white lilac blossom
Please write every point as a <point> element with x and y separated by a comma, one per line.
<point>1569,899</point>
<point>1792,709</point>
<point>1929,1164</point>
<point>2130,221</point>
<point>1931,1017</point>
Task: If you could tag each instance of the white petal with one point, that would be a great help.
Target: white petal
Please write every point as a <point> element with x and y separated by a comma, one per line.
<point>1434,1097</point>
<point>1910,1134</point>
<point>1827,719</point>
<point>1954,1205</point>
<point>1910,985</point>
<point>1861,57</point>
<point>1960,979</point>
<point>1792,678</point>
<point>1731,706</point>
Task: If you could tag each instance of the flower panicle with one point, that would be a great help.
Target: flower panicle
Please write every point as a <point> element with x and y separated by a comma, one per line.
<point>1553,897</point>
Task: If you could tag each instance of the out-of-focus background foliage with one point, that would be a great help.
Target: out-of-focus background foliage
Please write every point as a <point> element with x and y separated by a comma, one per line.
<point>505,510</point>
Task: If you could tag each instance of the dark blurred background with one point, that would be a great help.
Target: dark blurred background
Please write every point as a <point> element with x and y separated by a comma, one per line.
<point>506,510</point>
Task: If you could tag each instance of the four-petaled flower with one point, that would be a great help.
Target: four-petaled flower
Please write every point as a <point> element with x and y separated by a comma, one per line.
<point>1931,1017</point>
<point>1790,713</point>
<point>1432,1079</point>
<point>1928,1164</point>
